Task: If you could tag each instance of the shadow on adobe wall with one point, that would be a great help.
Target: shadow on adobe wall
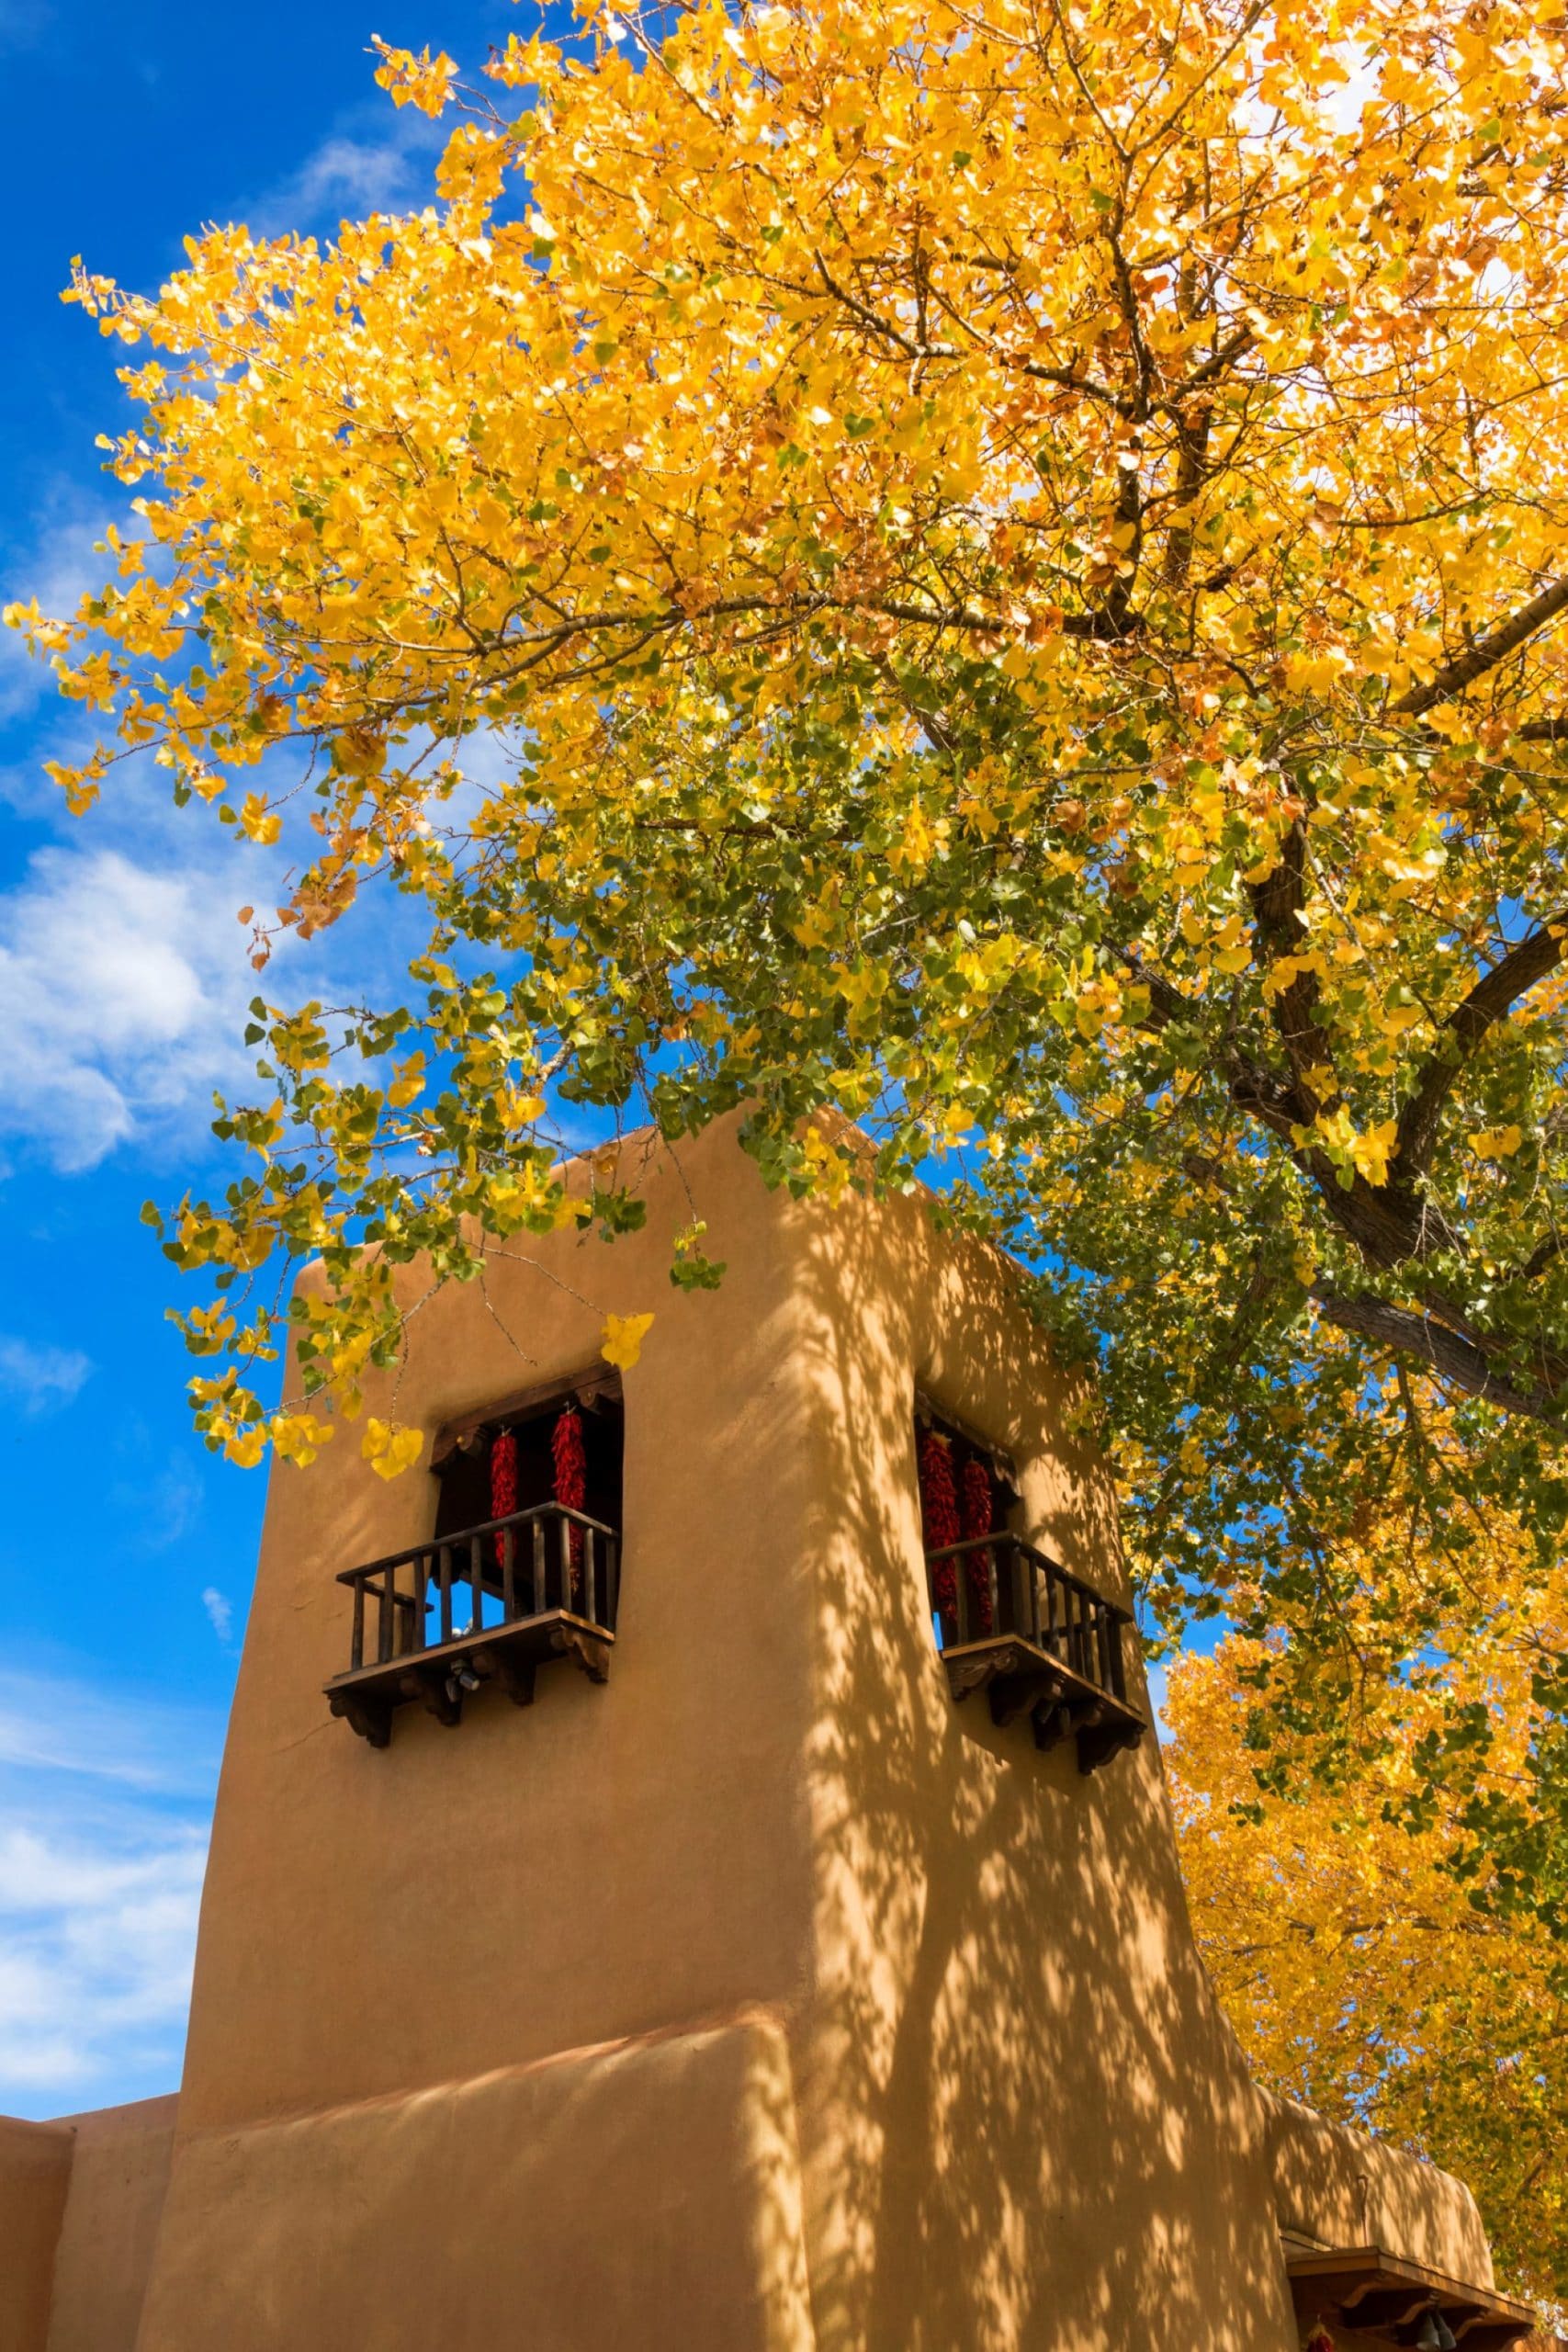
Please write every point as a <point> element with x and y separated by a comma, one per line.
<point>1042,2130</point>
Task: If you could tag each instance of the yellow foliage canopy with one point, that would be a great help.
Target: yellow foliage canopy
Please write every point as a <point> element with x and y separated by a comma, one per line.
<point>994,570</point>
<point>1364,1971</point>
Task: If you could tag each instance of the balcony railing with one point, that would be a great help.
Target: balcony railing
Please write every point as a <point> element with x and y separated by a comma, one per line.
<point>537,1585</point>
<point>1015,1623</point>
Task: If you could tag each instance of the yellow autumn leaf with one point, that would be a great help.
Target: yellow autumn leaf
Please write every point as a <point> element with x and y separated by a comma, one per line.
<point>256,821</point>
<point>388,1449</point>
<point>422,81</point>
<point>623,1337</point>
<point>407,1084</point>
<point>80,790</point>
<point>1496,1142</point>
<point>298,1436</point>
<point>1315,673</point>
<point>1372,1149</point>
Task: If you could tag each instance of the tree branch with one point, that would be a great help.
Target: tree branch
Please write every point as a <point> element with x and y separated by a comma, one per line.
<point>1487,651</point>
<point>1492,997</point>
<point>1457,1361</point>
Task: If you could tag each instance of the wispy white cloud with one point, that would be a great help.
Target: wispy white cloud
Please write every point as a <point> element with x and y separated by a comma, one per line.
<point>124,988</point>
<point>61,1726</point>
<point>42,1376</point>
<point>161,1506</point>
<point>105,1805</point>
<point>96,1941</point>
<point>373,161</point>
<point>221,1613</point>
<point>347,175</point>
<point>1157,1681</point>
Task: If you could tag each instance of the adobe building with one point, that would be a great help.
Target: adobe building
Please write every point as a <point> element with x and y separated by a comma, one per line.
<point>682,1915</point>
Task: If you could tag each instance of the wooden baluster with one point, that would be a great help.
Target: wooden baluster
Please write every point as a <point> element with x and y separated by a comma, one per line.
<point>538,1526</point>
<point>444,1577</point>
<point>384,1614</point>
<point>612,1580</point>
<point>563,1528</point>
<point>1106,1628</point>
<point>357,1647</point>
<point>1118,1664</point>
<point>960,1564</point>
<point>589,1578</point>
<point>477,1581</point>
<point>508,1576</point>
<point>421,1598</point>
<point>991,1589</point>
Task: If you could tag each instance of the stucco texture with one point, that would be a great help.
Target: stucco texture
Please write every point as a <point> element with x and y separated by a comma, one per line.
<point>646,2196</point>
<point>35,2167</point>
<point>119,2173</point>
<point>761,1995</point>
<point>1343,2187</point>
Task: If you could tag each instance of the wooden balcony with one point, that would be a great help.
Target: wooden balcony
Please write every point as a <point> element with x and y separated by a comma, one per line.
<point>489,1604</point>
<point>1037,1640</point>
<point>1364,2290</point>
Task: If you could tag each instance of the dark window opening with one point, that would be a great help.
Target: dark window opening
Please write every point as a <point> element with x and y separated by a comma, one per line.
<point>1005,1617</point>
<point>524,1564</point>
<point>472,1475</point>
<point>968,1490</point>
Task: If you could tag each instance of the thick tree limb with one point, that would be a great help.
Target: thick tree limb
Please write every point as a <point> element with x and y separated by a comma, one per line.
<point>1530,960</point>
<point>1453,1359</point>
<point>1487,651</point>
<point>1389,1223</point>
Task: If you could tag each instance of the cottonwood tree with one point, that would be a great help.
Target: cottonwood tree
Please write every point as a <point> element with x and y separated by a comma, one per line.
<point>995,570</point>
<point>1333,1907</point>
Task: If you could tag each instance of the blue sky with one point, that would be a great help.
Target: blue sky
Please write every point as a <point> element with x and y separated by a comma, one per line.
<point>126,1552</point>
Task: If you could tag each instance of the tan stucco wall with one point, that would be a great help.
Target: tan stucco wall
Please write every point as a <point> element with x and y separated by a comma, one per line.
<point>119,2179</point>
<point>644,2198</point>
<point>1022,2123</point>
<point>609,1861</point>
<point>1343,2187</point>
<point>34,2166</point>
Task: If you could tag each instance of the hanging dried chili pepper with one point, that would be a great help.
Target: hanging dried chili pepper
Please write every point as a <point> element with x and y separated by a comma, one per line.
<point>570,1456</point>
<point>939,1519</point>
<point>976,1504</point>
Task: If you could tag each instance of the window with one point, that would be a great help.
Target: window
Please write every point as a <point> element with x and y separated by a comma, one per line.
<point>524,1564</point>
<point>1006,1618</point>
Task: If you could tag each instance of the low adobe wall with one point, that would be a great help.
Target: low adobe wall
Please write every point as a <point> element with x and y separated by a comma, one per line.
<point>119,2179</point>
<point>1343,2187</point>
<point>646,2195</point>
<point>35,2170</point>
